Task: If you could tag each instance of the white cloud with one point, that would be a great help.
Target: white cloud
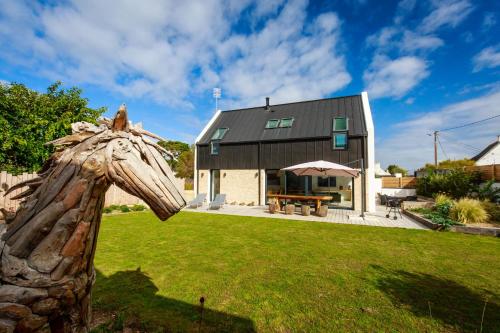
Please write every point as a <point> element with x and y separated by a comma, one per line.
<point>400,53</point>
<point>412,147</point>
<point>169,51</point>
<point>414,42</point>
<point>489,20</point>
<point>488,58</point>
<point>280,61</point>
<point>394,78</point>
<point>446,13</point>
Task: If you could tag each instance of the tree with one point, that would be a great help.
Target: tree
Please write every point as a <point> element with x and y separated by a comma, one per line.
<point>393,169</point>
<point>29,119</point>
<point>176,148</point>
<point>185,165</point>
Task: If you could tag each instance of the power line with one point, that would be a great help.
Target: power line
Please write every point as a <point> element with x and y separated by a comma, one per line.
<point>442,149</point>
<point>454,141</point>
<point>469,124</point>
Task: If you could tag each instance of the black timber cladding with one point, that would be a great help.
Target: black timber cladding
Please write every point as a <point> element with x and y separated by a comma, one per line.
<point>277,155</point>
<point>312,119</point>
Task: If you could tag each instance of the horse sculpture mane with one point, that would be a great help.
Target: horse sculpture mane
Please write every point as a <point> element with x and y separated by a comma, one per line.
<point>47,247</point>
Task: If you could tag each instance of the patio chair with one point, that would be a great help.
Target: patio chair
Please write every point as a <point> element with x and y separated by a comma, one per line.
<point>218,202</point>
<point>198,201</point>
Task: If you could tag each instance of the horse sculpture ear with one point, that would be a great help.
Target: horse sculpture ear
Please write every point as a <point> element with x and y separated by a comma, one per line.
<point>120,122</point>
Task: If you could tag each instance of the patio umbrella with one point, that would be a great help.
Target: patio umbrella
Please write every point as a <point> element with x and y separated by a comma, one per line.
<point>322,168</point>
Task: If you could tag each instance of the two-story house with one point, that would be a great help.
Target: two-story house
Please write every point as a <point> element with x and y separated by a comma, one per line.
<point>240,152</point>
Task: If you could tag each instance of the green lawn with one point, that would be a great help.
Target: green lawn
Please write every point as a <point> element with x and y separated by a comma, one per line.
<point>271,275</point>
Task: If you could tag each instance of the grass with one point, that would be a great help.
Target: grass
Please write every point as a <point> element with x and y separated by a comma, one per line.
<point>271,275</point>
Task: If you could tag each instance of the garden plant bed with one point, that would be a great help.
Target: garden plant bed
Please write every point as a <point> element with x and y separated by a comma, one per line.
<point>467,229</point>
<point>277,275</point>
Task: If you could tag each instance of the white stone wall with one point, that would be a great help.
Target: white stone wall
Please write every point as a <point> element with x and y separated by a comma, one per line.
<point>240,186</point>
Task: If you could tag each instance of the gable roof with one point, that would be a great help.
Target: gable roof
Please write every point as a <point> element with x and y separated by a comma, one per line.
<point>312,119</point>
<point>486,150</point>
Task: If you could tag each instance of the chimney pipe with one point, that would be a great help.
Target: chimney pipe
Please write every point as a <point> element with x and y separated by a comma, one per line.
<point>267,104</point>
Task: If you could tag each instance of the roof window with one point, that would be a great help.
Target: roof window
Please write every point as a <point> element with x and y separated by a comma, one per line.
<point>286,122</point>
<point>272,123</point>
<point>219,133</point>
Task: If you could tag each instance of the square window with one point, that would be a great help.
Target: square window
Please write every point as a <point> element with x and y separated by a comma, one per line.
<point>286,122</point>
<point>219,133</point>
<point>272,123</point>
<point>214,148</point>
<point>340,141</point>
<point>340,124</point>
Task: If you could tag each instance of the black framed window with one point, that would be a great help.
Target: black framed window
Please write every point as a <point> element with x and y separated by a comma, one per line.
<point>340,128</point>
<point>327,181</point>
<point>214,147</point>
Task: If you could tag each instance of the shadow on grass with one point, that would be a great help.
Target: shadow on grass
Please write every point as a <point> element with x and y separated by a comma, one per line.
<point>444,300</point>
<point>133,294</point>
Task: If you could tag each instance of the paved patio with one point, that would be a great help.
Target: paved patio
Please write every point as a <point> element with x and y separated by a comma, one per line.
<point>334,216</point>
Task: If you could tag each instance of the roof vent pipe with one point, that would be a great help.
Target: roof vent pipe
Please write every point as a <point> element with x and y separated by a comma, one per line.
<point>268,108</point>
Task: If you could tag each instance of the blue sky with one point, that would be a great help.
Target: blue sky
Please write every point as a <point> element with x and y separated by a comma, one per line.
<point>426,65</point>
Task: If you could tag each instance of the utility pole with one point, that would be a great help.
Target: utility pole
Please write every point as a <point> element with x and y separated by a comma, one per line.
<point>436,148</point>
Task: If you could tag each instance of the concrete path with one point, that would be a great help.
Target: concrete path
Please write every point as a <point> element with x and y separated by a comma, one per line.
<point>334,216</point>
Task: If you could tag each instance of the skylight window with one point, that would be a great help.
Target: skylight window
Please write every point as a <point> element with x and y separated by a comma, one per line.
<point>340,124</point>
<point>286,122</point>
<point>272,123</point>
<point>219,133</point>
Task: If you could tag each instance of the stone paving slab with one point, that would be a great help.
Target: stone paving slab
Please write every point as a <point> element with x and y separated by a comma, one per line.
<point>342,216</point>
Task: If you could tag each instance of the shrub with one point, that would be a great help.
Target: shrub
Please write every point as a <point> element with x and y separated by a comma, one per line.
<point>456,183</point>
<point>107,210</point>
<point>124,209</point>
<point>138,208</point>
<point>443,204</point>
<point>493,211</point>
<point>468,211</point>
<point>114,207</point>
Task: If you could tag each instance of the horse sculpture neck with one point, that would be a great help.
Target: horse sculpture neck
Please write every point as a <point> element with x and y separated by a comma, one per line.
<point>47,248</point>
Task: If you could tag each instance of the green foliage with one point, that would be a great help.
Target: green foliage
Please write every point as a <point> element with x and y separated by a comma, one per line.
<point>449,165</point>
<point>124,209</point>
<point>185,165</point>
<point>114,207</point>
<point>29,119</point>
<point>442,220</point>
<point>468,211</point>
<point>456,183</point>
<point>176,148</point>
<point>107,210</point>
<point>443,204</point>
<point>183,162</point>
<point>493,211</point>
<point>138,208</point>
<point>393,169</point>
<point>488,192</point>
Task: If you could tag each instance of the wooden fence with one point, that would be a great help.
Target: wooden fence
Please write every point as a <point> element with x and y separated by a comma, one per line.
<point>399,182</point>
<point>488,172</point>
<point>114,195</point>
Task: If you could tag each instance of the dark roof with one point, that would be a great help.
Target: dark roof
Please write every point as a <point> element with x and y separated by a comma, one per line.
<point>312,119</point>
<point>486,150</point>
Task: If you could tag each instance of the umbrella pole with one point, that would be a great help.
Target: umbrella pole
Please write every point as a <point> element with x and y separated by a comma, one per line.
<point>363,189</point>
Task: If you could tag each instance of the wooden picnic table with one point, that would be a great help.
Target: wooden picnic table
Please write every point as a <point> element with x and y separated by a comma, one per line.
<point>316,198</point>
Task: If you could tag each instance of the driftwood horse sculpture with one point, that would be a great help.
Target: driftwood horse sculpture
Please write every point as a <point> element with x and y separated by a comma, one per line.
<point>47,247</point>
